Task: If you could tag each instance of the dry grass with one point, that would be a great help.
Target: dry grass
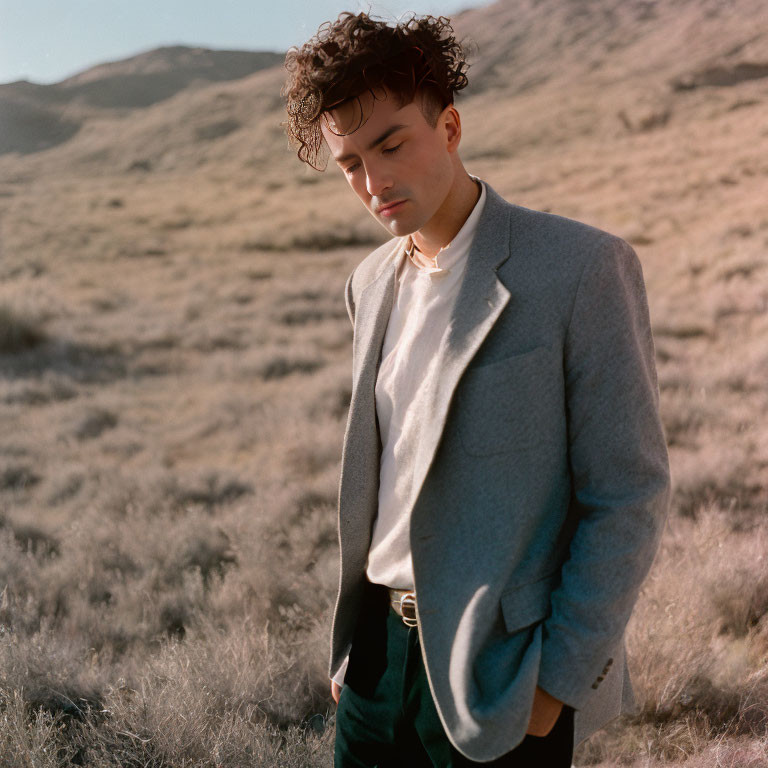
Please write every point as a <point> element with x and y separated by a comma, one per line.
<point>698,641</point>
<point>18,332</point>
<point>175,375</point>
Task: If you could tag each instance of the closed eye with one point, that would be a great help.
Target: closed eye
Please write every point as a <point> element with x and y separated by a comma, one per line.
<point>390,151</point>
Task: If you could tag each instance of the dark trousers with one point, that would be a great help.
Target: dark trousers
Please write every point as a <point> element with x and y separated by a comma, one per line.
<point>386,716</point>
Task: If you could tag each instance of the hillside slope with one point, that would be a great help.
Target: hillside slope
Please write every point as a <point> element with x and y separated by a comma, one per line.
<point>34,117</point>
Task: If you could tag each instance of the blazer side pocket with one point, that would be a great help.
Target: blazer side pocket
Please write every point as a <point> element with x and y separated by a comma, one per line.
<point>511,404</point>
<point>527,604</point>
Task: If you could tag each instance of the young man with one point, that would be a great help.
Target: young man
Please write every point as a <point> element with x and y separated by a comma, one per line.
<point>504,476</point>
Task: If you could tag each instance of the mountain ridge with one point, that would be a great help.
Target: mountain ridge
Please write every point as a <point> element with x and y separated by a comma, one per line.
<point>515,49</point>
<point>35,117</point>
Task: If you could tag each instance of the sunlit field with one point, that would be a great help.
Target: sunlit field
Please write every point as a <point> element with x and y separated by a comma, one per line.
<point>175,373</point>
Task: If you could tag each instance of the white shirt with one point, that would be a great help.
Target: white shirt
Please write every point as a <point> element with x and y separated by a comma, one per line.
<point>425,292</point>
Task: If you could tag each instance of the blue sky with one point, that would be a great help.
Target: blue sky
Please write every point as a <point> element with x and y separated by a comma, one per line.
<point>48,40</point>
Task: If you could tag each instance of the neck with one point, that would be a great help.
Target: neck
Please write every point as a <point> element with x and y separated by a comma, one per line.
<point>450,217</point>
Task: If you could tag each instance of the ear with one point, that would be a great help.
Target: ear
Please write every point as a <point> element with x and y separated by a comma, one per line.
<point>452,124</point>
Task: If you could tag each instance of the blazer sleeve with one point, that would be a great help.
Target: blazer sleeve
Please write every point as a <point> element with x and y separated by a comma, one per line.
<point>349,300</point>
<point>619,471</point>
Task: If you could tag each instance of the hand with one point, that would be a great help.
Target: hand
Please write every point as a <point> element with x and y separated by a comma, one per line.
<point>335,691</point>
<point>546,710</point>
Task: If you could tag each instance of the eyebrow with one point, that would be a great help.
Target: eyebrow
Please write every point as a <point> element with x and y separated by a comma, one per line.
<point>375,143</point>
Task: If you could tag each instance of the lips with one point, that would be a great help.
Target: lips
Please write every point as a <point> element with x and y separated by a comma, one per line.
<point>390,208</point>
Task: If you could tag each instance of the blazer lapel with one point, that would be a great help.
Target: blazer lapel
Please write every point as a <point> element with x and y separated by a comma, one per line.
<point>358,485</point>
<point>374,306</point>
<point>480,301</point>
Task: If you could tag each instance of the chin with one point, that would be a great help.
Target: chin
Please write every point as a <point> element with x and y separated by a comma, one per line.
<point>399,228</point>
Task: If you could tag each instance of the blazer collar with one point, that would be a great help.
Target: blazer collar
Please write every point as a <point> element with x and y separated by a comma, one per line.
<point>493,237</point>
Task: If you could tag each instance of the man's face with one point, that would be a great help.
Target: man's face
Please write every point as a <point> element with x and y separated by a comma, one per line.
<point>396,162</point>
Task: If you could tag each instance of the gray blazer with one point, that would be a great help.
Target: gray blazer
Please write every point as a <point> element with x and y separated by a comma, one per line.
<point>543,475</point>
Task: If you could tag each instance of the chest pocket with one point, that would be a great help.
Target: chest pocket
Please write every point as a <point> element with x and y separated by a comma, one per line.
<point>511,404</point>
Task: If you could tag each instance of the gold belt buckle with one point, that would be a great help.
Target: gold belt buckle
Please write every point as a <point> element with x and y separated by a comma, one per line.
<point>408,602</point>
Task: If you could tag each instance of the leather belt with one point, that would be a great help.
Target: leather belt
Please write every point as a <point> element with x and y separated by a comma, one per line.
<point>403,601</point>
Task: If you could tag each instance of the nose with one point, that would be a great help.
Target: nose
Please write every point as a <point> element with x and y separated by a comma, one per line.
<point>377,180</point>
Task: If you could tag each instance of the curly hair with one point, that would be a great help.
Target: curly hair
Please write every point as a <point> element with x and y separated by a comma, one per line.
<point>358,54</point>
